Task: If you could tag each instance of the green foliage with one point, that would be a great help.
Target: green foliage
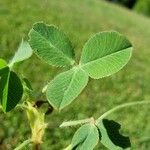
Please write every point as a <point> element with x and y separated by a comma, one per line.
<point>24,52</point>
<point>105,54</point>
<point>101,130</point>
<point>51,45</point>
<point>85,138</point>
<point>143,6</point>
<point>2,63</point>
<point>11,89</point>
<point>129,85</point>
<point>66,87</point>
<point>110,136</point>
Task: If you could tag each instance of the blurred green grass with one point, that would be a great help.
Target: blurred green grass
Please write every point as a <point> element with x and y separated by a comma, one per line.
<point>79,20</point>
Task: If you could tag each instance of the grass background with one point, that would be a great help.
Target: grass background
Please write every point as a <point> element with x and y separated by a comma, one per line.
<point>79,19</point>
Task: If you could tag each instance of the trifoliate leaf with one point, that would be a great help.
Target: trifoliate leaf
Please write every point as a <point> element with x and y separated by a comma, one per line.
<point>85,138</point>
<point>11,89</point>
<point>24,52</point>
<point>51,45</point>
<point>3,63</point>
<point>110,136</point>
<point>105,54</point>
<point>66,87</point>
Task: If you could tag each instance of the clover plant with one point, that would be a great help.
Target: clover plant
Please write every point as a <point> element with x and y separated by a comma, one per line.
<point>103,54</point>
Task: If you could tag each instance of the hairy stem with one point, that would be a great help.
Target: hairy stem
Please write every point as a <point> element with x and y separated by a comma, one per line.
<point>120,107</point>
<point>77,122</point>
<point>25,143</point>
<point>36,147</point>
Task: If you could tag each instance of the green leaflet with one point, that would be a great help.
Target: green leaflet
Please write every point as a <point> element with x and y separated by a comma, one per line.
<point>105,54</point>
<point>110,136</point>
<point>66,87</point>
<point>51,45</point>
<point>24,52</point>
<point>11,89</point>
<point>3,63</point>
<point>85,138</point>
<point>27,84</point>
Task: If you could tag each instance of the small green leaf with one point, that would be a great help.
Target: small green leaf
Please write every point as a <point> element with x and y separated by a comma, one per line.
<point>24,52</point>
<point>27,84</point>
<point>105,54</point>
<point>3,63</point>
<point>66,87</point>
<point>110,136</point>
<point>85,138</point>
<point>11,89</point>
<point>51,45</point>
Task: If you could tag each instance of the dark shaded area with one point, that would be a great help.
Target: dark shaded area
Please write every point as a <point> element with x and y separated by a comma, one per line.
<point>143,7</point>
<point>127,3</point>
<point>49,110</point>
<point>140,6</point>
<point>112,128</point>
<point>40,103</point>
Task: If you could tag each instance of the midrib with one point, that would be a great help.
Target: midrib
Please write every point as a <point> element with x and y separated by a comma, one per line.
<point>49,43</point>
<point>83,65</point>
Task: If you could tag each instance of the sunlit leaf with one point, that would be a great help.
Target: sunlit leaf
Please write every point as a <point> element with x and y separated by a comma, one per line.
<point>24,52</point>
<point>66,87</point>
<point>85,138</point>
<point>105,54</point>
<point>110,136</point>
<point>51,45</point>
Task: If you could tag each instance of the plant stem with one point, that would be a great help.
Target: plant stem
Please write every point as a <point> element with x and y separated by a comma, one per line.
<point>77,122</point>
<point>144,139</point>
<point>74,123</point>
<point>44,88</point>
<point>120,107</point>
<point>68,147</point>
<point>25,143</point>
<point>21,106</point>
<point>1,108</point>
<point>36,147</point>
